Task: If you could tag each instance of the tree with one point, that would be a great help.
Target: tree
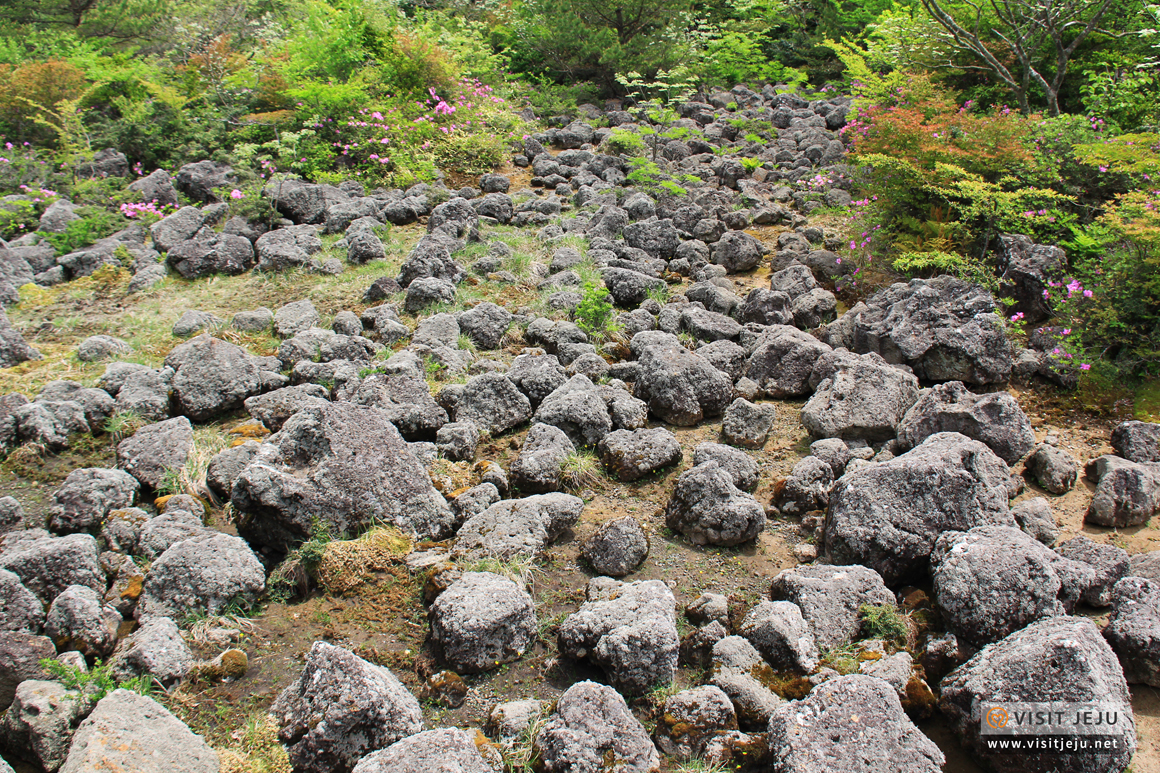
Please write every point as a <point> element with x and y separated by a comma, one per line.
<point>1026,28</point>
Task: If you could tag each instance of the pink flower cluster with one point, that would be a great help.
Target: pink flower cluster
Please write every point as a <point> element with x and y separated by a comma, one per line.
<point>135,209</point>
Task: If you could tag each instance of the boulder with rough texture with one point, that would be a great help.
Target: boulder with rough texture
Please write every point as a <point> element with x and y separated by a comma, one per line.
<point>746,424</point>
<point>273,409</point>
<point>850,723</point>
<point>405,399</point>
<point>482,621</point>
<point>1110,564</point>
<point>1036,518</point>
<point>77,620</point>
<point>341,709</point>
<point>782,361</point>
<point>39,725</point>
<point>740,672</point>
<point>742,470</point>
<point>679,387</point>
<point>1052,468</point>
<point>223,253</point>
<point>20,656</point>
<point>1028,268</point>
<point>1133,629</point>
<point>427,291</point>
<point>448,750</point>
<point>493,403</point>
<point>539,466</point>
<point>155,649</point>
<point>830,597</point>
<point>202,575</point>
<point>692,718</point>
<point>519,527</point>
<point>580,409</point>
<point>737,251</point>
<point>944,328</point>
<point>88,495</point>
<point>212,377</point>
<point>617,548</point>
<point>537,375</point>
<point>485,324</point>
<point>1127,493</point>
<point>194,321</point>
<point>709,510</point>
<point>344,465</point>
<point>20,609</point>
<point>155,450</point>
<point>858,398</point>
<point>1060,659</point>
<point>994,580</point>
<point>303,202</point>
<point>1137,441</point>
<point>782,636</point>
<point>130,733</point>
<point>590,726</point>
<point>13,348</point>
<point>887,516</point>
<point>47,565</point>
<point>807,488</point>
<point>629,630</point>
<point>630,455</point>
<point>99,347</point>
<point>994,419</point>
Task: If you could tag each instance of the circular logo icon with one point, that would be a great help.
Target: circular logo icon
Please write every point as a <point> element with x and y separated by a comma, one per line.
<point>997,717</point>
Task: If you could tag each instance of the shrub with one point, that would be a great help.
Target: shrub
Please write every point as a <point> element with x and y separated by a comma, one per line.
<point>624,143</point>
<point>883,621</point>
<point>26,90</point>
<point>594,314</point>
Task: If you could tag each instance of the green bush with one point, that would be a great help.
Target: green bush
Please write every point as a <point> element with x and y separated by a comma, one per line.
<point>883,621</point>
<point>594,314</point>
<point>624,142</point>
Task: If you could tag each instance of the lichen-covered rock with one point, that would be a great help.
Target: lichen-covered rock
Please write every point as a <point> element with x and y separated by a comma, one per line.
<point>591,725</point>
<point>1127,493</point>
<point>746,424</point>
<point>617,548</point>
<point>807,487</point>
<point>447,749</point>
<point>858,398</point>
<point>709,510</point>
<point>341,709</point>
<point>155,649</point>
<point>782,636</point>
<point>202,575</point>
<point>994,419</point>
<point>887,516</point>
<point>680,387</point>
<point>77,620</point>
<point>691,718</point>
<point>739,671</point>
<point>850,723</point>
<point>344,465</point>
<point>156,450</point>
<point>88,495</point>
<point>493,403</point>
<point>482,621</point>
<point>1060,659</point>
<point>830,598</point>
<point>629,630</point>
<point>47,565</point>
<point>518,527</point>
<point>539,466</point>
<point>1133,630</point>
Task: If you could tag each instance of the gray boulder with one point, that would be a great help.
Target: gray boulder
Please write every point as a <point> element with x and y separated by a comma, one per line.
<point>994,419</point>
<point>223,253</point>
<point>679,387</point>
<point>630,455</point>
<point>579,409</point>
<point>194,321</point>
<point>39,725</point>
<point>493,403</point>
<point>446,749</point>
<point>363,247</point>
<point>945,329</point>
<point>746,424</point>
<point>1133,630</point>
<point>740,672</point>
<point>692,718</point>
<point>405,399</point>
<point>629,630</point>
<point>1110,563</point>
<point>659,238</point>
<point>77,620</point>
<point>1127,493</point>
<point>155,450</point>
<point>539,466</point>
<point>287,248</point>
<point>343,465</point>
<point>296,317</point>
<point>782,361</point>
<point>591,725</point>
<point>303,202</point>
<point>887,516</point>
<point>807,488</point>
<point>482,621</point>
<point>1137,441</point>
<point>1060,659</point>
<point>202,575</point>
<point>707,325</point>
<point>1052,468</point>
<point>13,348</point>
<point>737,251</point>
<point>126,729</point>
<point>174,229</point>
<point>457,441</point>
<point>766,307</point>
<point>212,377</point>
<point>518,527</point>
<point>709,510</point>
<point>1036,519</point>
<point>629,288</point>
<point>199,180</point>
<point>782,636</point>
<point>155,649</point>
<point>273,409</point>
<point>742,470</point>
<point>20,656</point>
<point>88,495</point>
<point>537,375</point>
<point>99,347</point>
<point>47,565</point>
<point>485,325</point>
<point>830,597</point>
<point>850,723</point>
<point>617,548</point>
<point>341,709</point>
<point>858,398</point>
<point>20,609</point>
<point>427,291</point>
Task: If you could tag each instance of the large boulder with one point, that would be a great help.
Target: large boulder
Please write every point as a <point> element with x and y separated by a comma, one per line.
<point>228,254</point>
<point>1137,441</point>
<point>994,580</point>
<point>341,709</point>
<point>201,179</point>
<point>202,575</point>
<point>20,609</point>
<point>539,466</point>
<point>709,510</point>
<point>1109,563</point>
<point>994,419</point>
<point>155,649</point>
<point>40,724</point>
<point>485,324</point>
<point>431,258</point>
<point>406,399</point>
<point>47,565</point>
<point>617,548</point>
<point>492,403</point>
<point>1133,629</point>
<point>692,718</point>
<point>342,465</point>
<point>1127,493</point>
<point>77,620</point>
<point>782,636</point>
<point>783,360</point>
<point>1028,269</point>
<point>858,398</point>
<point>740,672</point>
<point>303,202</point>
<point>447,749</point>
<point>155,450</point>
<point>887,516</point>
<point>213,377</point>
<point>944,328</point>
<point>830,598</point>
<point>850,723</point>
<point>518,527</point>
<point>629,630</point>
<point>13,348</point>
<point>135,734</point>
<point>482,621</point>
<point>273,409</point>
<point>20,656</point>
<point>679,387</point>
<point>590,726</point>
<point>737,251</point>
<point>630,455</point>
<point>88,495</point>
<point>1057,660</point>
<point>1052,468</point>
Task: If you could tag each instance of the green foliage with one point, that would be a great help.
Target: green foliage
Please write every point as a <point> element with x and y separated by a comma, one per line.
<point>580,470</point>
<point>95,225</point>
<point>18,216</point>
<point>594,314</point>
<point>624,142</point>
<point>123,424</point>
<point>751,164</point>
<point>648,176</point>
<point>883,621</point>
<point>96,682</point>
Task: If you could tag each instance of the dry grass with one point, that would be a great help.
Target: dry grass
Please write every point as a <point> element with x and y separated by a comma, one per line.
<point>347,564</point>
<point>256,749</point>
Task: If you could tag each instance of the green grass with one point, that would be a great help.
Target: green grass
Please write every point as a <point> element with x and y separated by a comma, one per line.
<point>883,621</point>
<point>581,470</point>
